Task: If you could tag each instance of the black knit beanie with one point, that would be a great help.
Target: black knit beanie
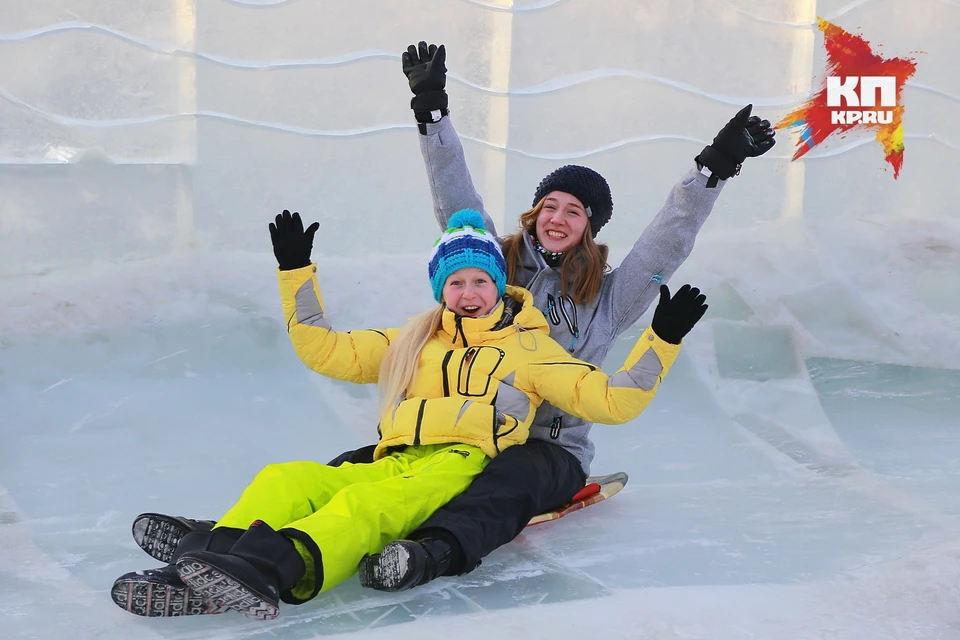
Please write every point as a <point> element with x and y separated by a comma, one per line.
<point>588,186</point>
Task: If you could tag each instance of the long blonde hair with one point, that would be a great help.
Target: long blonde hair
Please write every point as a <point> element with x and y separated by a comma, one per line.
<point>399,365</point>
<point>581,268</point>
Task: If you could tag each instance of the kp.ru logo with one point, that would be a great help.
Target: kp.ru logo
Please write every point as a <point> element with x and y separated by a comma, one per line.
<point>855,78</point>
<point>846,88</point>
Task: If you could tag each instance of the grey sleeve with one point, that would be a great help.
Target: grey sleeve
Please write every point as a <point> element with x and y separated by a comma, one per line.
<point>662,247</point>
<point>450,183</point>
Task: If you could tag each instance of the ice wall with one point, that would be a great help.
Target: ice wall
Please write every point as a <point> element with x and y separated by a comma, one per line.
<point>176,129</point>
<point>133,129</point>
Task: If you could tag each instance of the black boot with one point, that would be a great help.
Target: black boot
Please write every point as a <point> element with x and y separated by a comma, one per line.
<point>160,592</point>
<point>404,564</point>
<point>159,534</point>
<point>250,578</point>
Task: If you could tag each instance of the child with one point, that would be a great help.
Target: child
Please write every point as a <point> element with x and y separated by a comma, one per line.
<point>458,385</point>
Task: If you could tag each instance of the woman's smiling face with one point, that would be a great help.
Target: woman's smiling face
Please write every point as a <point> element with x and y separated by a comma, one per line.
<point>562,222</point>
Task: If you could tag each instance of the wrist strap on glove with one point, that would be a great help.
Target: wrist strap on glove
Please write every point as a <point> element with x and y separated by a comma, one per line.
<point>429,107</point>
<point>722,167</point>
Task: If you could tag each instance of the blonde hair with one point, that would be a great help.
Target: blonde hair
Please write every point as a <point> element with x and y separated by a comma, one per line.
<point>399,365</point>
<point>581,268</point>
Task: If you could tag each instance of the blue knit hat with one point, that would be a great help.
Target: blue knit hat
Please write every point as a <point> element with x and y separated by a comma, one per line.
<point>466,243</point>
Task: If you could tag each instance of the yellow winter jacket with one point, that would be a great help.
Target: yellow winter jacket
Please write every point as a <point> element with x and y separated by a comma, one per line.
<point>475,384</point>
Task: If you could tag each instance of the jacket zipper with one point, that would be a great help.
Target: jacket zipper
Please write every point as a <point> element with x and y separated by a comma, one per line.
<point>446,378</point>
<point>656,278</point>
<point>458,320</point>
<point>578,364</point>
<point>497,436</point>
<point>416,434</point>
<point>555,427</point>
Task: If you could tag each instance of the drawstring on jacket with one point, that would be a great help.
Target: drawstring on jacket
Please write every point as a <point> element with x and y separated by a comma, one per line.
<point>520,330</point>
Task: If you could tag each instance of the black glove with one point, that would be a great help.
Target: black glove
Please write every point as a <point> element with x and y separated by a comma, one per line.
<point>427,74</point>
<point>745,136</point>
<point>291,244</point>
<point>675,316</point>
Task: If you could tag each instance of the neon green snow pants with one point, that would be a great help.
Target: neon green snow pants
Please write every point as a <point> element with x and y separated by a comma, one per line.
<point>338,515</point>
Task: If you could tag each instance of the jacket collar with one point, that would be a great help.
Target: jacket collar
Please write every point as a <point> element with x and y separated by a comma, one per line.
<point>465,331</point>
<point>531,260</point>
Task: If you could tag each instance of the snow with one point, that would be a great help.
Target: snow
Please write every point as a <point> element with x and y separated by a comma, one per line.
<point>799,485</point>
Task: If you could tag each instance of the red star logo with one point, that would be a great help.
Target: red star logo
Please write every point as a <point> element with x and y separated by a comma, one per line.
<point>850,59</point>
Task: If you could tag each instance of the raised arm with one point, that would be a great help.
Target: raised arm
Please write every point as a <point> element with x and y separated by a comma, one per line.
<point>668,240</point>
<point>450,183</point>
<point>582,390</point>
<point>353,356</point>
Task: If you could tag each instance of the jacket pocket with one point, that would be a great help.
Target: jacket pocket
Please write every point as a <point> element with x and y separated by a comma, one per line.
<point>475,368</point>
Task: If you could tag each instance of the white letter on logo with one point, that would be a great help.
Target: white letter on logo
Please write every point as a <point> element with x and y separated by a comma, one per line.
<point>847,89</point>
<point>868,91</point>
<point>853,117</point>
<point>838,117</point>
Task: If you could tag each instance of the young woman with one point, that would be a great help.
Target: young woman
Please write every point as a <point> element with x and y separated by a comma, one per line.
<point>459,386</point>
<point>555,256</point>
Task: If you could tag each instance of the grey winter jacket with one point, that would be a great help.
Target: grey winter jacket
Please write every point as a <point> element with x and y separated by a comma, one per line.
<point>587,330</point>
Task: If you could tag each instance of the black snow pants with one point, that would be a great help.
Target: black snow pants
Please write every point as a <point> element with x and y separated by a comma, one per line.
<point>523,481</point>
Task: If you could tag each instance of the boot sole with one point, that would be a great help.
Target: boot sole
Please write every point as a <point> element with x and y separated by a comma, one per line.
<point>159,535</point>
<point>386,571</point>
<point>223,590</point>
<point>158,599</point>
